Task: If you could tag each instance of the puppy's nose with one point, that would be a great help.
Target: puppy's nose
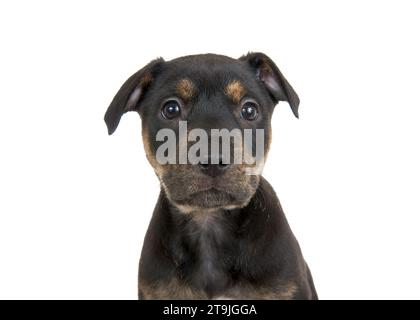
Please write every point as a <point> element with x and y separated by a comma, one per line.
<point>214,169</point>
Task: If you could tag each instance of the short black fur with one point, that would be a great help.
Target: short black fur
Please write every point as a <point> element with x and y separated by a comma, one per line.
<point>232,239</point>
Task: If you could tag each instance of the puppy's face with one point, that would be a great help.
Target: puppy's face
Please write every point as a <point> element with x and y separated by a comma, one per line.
<point>205,94</point>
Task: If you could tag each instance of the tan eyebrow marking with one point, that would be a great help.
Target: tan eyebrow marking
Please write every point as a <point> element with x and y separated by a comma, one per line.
<point>235,90</point>
<point>185,89</point>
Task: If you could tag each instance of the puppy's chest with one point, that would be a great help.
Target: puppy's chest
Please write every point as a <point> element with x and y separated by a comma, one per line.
<point>216,272</point>
<point>212,261</point>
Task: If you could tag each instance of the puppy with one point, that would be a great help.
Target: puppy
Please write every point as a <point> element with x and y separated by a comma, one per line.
<point>218,230</point>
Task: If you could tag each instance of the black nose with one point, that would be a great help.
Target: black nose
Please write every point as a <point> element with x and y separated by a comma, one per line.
<point>214,169</point>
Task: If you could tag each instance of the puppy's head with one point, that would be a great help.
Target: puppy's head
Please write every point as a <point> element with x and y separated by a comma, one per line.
<point>184,103</point>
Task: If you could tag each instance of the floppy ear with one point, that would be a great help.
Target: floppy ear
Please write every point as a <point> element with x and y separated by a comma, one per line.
<point>274,81</point>
<point>129,95</point>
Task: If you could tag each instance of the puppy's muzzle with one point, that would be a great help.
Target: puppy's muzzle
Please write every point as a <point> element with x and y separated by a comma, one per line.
<point>214,167</point>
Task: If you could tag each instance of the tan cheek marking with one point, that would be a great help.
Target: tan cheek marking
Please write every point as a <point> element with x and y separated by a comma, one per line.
<point>150,155</point>
<point>235,91</point>
<point>270,133</point>
<point>147,147</point>
<point>185,89</point>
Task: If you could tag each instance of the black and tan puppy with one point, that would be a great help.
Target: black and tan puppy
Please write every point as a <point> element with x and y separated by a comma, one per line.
<point>216,232</point>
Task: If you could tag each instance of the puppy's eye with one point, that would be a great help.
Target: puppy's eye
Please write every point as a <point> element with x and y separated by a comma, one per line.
<point>171,109</point>
<point>249,111</point>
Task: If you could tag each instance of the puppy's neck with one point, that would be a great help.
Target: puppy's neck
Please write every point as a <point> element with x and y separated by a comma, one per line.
<point>201,218</point>
<point>186,209</point>
<point>206,218</point>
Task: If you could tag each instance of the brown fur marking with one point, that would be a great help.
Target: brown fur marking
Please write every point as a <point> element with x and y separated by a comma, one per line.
<point>173,289</point>
<point>158,168</point>
<point>284,292</point>
<point>185,89</point>
<point>146,79</point>
<point>235,91</point>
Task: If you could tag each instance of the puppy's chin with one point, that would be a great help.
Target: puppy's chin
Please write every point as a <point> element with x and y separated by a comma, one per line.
<point>209,200</point>
<point>189,190</point>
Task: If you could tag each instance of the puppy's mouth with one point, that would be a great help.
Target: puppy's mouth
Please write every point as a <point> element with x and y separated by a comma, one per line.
<point>209,199</point>
<point>190,191</point>
<point>205,193</point>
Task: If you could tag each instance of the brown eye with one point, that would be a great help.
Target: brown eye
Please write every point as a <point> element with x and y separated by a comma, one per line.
<point>171,109</point>
<point>249,111</point>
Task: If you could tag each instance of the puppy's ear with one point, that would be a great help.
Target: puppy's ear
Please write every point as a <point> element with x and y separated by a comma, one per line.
<point>274,81</point>
<point>129,95</point>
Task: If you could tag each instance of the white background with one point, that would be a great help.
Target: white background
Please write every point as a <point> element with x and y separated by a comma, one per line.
<point>75,203</point>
